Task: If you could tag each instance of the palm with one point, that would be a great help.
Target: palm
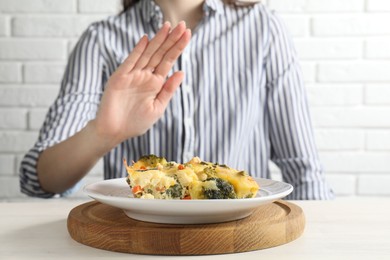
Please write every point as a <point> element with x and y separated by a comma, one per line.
<point>138,100</point>
<point>137,93</point>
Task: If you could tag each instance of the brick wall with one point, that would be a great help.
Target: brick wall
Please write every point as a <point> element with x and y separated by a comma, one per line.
<point>344,46</point>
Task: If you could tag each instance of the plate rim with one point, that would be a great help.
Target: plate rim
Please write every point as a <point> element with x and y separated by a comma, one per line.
<point>272,197</point>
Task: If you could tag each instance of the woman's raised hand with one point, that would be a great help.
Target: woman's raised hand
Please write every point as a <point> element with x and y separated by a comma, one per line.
<point>138,92</point>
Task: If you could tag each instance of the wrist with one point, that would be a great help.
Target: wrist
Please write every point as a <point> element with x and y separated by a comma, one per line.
<point>101,142</point>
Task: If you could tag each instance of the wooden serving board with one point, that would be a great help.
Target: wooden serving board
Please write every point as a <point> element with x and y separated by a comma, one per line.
<point>106,227</point>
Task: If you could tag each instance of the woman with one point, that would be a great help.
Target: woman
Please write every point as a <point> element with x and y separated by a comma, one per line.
<point>241,100</point>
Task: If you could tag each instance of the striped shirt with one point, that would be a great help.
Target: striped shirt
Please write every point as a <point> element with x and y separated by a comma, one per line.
<point>242,101</point>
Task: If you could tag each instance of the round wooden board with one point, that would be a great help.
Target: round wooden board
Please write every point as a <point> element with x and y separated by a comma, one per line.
<point>106,227</point>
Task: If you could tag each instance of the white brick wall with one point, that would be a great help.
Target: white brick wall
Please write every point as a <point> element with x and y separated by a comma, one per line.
<point>341,25</point>
<point>314,6</point>
<point>27,95</point>
<point>32,49</point>
<point>336,94</point>
<point>354,71</point>
<point>38,72</point>
<point>51,25</point>
<point>4,26</point>
<point>10,72</point>
<point>377,48</point>
<point>7,163</point>
<point>36,117</point>
<point>99,6</point>
<point>37,6</point>
<point>344,47</point>
<point>13,118</point>
<point>378,140</point>
<point>378,5</point>
<point>317,49</point>
<point>377,94</point>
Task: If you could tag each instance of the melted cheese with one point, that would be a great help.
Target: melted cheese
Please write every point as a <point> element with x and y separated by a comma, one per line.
<point>163,180</point>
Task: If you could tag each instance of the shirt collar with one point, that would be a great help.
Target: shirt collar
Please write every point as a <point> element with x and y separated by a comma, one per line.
<point>150,10</point>
<point>213,5</point>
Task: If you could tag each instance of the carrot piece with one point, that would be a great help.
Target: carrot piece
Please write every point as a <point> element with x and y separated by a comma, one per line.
<point>142,168</point>
<point>181,167</point>
<point>136,189</point>
<point>188,197</point>
<point>160,188</point>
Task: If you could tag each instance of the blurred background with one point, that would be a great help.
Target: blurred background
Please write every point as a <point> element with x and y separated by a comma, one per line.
<point>344,47</point>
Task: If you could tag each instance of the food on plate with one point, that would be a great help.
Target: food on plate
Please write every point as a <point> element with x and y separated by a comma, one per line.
<point>153,177</point>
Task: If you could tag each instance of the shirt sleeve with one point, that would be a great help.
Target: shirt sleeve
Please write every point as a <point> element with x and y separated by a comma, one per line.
<point>293,148</point>
<point>75,105</point>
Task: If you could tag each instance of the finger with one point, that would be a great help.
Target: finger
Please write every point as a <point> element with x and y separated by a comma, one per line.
<point>173,37</point>
<point>170,58</point>
<point>135,54</point>
<point>167,91</point>
<point>153,46</point>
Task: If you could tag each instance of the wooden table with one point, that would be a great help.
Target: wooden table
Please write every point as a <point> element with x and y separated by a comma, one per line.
<point>346,228</point>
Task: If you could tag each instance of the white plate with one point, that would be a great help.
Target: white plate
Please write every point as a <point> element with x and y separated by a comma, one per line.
<point>116,192</point>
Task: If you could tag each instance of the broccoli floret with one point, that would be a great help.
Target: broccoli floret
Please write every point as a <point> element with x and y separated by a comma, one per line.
<point>225,190</point>
<point>175,191</point>
<point>210,172</point>
<point>170,164</point>
<point>152,160</point>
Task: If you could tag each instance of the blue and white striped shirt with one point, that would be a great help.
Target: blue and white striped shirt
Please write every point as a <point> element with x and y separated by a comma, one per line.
<point>242,101</point>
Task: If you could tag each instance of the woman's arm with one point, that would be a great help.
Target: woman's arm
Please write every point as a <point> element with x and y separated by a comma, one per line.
<point>135,97</point>
<point>291,133</point>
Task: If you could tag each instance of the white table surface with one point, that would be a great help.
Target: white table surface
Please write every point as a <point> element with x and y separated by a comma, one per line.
<point>346,228</point>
